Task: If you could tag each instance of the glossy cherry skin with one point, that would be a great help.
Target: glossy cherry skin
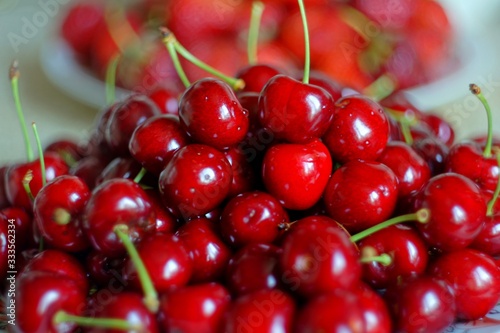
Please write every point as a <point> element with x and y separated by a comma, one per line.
<point>195,308</point>
<point>256,76</point>
<point>23,224</point>
<point>254,267</point>
<point>361,194</point>
<point>488,240</point>
<point>211,114</point>
<point>423,304</point>
<point>119,167</point>
<point>439,127</point>
<point>195,181</point>
<point>474,278</point>
<point>318,257</point>
<point>124,119</point>
<point>14,189</point>
<point>296,174</point>
<point>245,177</point>
<point>206,249</point>
<point>374,310</point>
<point>410,168</point>
<point>359,130</point>
<point>294,111</point>
<point>68,149</point>
<point>406,248</point>
<point>154,142</point>
<point>60,263</point>
<point>165,221</point>
<point>467,159</point>
<point>166,260</point>
<point>41,295</point>
<point>166,99</point>
<point>457,211</point>
<point>89,169</point>
<point>117,201</point>
<point>127,306</point>
<point>58,210</point>
<point>266,310</point>
<point>252,217</point>
<point>434,152</point>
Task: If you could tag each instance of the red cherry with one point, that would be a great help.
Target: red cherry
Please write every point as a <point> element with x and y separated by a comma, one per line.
<point>439,127</point>
<point>474,278</point>
<point>166,99</point>
<point>154,142</point>
<point>256,76</point>
<point>58,211</point>
<point>244,174</point>
<point>361,194</point>
<point>195,181</point>
<point>211,114</point>
<point>488,240</point>
<point>117,201</point>
<point>457,211</point>
<point>3,194</point>
<point>252,217</point>
<point>4,248</point>
<point>67,149</point>
<point>89,169</point>
<point>434,152</point>
<point>206,249</point>
<point>296,174</point>
<point>295,111</point>
<point>193,309</point>
<point>106,271</point>
<point>318,257</point>
<point>165,259</point>
<point>374,309</point>
<point>119,167</point>
<point>165,221</point>
<point>359,130</point>
<point>22,223</point>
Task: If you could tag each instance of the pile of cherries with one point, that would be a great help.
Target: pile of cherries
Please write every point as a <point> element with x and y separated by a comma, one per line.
<point>274,203</point>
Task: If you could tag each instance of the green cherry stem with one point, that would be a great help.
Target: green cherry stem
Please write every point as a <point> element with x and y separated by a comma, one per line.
<point>382,87</point>
<point>140,175</point>
<point>169,42</point>
<point>253,31</point>
<point>491,203</point>
<point>150,295</point>
<point>110,323</point>
<point>307,58</point>
<point>111,79</point>
<point>422,216</point>
<point>489,141</point>
<point>40,154</point>
<point>28,177</point>
<point>14,80</point>
<point>383,259</point>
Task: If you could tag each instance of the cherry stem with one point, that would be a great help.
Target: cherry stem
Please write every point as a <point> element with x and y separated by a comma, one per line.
<point>356,20</point>
<point>307,54</point>
<point>489,141</point>
<point>140,175</point>
<point>235,83</point>
<point>61,216</point>
<point>253,31</point>
<point>28,177</point>
<point>491,203</point>
<point>383,259</point>
<point>40,154</point>
<point>110,323</point>
<point>14,80</point>
<point>382,87</point>
<point>422,216</point>
<point>150,295</point>
<point>169,42</point>
<point>111,79</point>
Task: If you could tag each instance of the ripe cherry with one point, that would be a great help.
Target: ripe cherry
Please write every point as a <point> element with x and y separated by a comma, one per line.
<point>256,76</point>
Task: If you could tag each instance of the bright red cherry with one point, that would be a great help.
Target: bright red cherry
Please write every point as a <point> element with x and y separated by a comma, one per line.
<point>211,114</point>
<point>58,212</point>
<point>295,111</point>
<point>374,309</point>
<point>165,221</point>
<point>195,308</point>
<point>361,194</point>
<point>195,181</point>
<point>256,76</point>
<point>166,99</point>
<point>296,174</point>
<point>488,240</point>
<point>359,130</point>
<point>68,149</point>
<point>474,278</point>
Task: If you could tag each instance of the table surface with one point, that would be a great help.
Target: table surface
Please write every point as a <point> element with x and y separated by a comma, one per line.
<point>58,116</point>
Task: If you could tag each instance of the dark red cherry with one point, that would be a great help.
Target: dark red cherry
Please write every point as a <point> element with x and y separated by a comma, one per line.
<point>424,304</point>
<point>211,114</point>
<point>195,181</point>
<point>244,174</point>
<point>266,310</point>
<point>254,267</point>
<point>106,271</point>
<point>361,194</point>
<point>155,141</point>
<point>474,278</point>
<point>318,257</point>
<point>119,167</point>
<point>67,149</point>
<point>58,212</point>
<point>434,152</point>
<point>166,99</point>
<point>117,201</point>
<point>359,130</point>
<point>295,111</point>
<point>4,248</point>
<point>124,119</point>
<point>457,211</point>
<point>3,195</point>
<point>165,259</point>
<point>252,217</point>
<point>406,249</point>
<point>165,221</point>
<point>488,240</point>
<point>195,308</point>
<point>22,223</point>
<point>206,249</point>
<point>256,76</point>
<point>296,174</point>
<point>89,169</point>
